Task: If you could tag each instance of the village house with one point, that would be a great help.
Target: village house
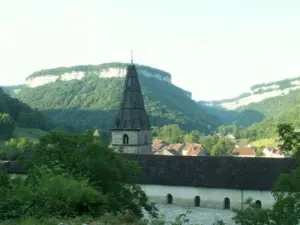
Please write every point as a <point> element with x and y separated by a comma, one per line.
<point>244,152</point>
<point>273,152</point>
<point>179,149</point>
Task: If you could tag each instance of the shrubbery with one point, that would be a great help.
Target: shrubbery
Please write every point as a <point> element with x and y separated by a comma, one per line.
<point>72,175</point>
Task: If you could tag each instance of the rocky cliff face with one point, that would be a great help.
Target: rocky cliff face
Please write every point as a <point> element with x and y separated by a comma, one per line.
<point>259,92</point>
<point>74,73</point>
<point>106,70</point>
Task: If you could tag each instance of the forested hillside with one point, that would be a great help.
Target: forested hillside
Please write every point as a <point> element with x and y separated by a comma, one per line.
<point>264,116</point>
<point>243,118</point>
<point>281,109</point>
<point>91,103</point>
<point>14,113</point>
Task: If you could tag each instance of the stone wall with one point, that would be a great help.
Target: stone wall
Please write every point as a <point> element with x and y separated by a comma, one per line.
<point>209,197</point>
<point>139,142</point>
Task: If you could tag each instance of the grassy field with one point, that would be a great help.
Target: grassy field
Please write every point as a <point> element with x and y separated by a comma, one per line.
<point>269,142</point>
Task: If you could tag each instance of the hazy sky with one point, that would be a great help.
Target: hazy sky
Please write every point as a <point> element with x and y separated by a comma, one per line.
<point>213,48</point>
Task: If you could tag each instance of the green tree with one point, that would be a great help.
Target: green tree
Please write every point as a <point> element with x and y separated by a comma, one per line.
<point>172,133</point>
<point>237,132</point>
<point>223,147</point>
<point>80,156</point>
<point>15,147</point>
<point>192,137</point>
<point>46,193</point>
<point>7,126</point>
<point>286,210</point>
<point>208,142</point>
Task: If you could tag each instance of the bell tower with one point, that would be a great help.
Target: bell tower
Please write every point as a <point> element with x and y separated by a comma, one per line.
<point>132,130</point>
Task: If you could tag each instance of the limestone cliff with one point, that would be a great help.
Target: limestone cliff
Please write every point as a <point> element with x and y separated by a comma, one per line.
<point>259,93</point>
<point>106,70</point>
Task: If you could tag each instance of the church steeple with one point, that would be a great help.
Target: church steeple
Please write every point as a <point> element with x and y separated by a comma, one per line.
<point>132,130</point>
<point>132,113</point>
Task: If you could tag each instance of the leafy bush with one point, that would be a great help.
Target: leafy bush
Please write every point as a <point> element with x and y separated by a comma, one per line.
<point>45,194</point>
<point>15,147</point>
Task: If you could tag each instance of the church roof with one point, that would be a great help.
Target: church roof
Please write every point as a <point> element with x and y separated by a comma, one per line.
<point>212,171</point>
<point>132,113</point>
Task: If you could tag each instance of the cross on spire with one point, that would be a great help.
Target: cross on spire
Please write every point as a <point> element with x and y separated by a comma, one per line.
<point>131,56</point>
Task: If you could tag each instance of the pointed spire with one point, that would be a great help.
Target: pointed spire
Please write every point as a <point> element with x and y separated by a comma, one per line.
<point>132,113</point>
<point>131,52</point>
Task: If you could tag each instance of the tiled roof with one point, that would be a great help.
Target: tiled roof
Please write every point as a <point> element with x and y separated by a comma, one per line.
<point>177,147</point>
<point>193,149</point>
<point>157,144</point>
<point>244,151</point>
<point>212,171</point>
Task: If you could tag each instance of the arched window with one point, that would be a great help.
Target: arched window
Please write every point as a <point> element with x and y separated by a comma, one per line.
<point>169,199</point>
<point>125,139</point>
<point>258,204</point>
<point>226,203</point>
<point>197,201</point>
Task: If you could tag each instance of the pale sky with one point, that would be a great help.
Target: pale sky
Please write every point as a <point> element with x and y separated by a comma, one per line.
<point>213,48</point>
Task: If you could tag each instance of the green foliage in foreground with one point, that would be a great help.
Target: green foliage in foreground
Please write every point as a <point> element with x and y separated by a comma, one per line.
<point>73,175</point>
<point>286,210</point>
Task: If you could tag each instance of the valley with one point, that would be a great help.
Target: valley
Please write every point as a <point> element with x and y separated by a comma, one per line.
<point>87,97</point>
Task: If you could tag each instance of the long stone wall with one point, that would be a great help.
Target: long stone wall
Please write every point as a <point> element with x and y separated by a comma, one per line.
<point>209,197</point>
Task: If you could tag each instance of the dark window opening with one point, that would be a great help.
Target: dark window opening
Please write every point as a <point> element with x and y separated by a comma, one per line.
<point>226,203</point>
<point>169,199</point>
<point>197,201</point>
<point>125,123</point>
<point>125,139</point>
<point>258,204</point>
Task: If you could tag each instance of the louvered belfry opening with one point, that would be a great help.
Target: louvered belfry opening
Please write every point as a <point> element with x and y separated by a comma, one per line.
<point>132,114</point>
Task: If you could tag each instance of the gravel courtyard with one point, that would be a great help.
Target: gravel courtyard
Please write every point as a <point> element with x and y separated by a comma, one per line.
<point>197,215</point>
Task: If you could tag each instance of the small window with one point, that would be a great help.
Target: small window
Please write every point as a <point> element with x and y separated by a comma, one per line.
<point>169,199</point>
<point>226,203</point>
<point>125,139</point>
<point>258,204</point>
<point>197,201</point>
